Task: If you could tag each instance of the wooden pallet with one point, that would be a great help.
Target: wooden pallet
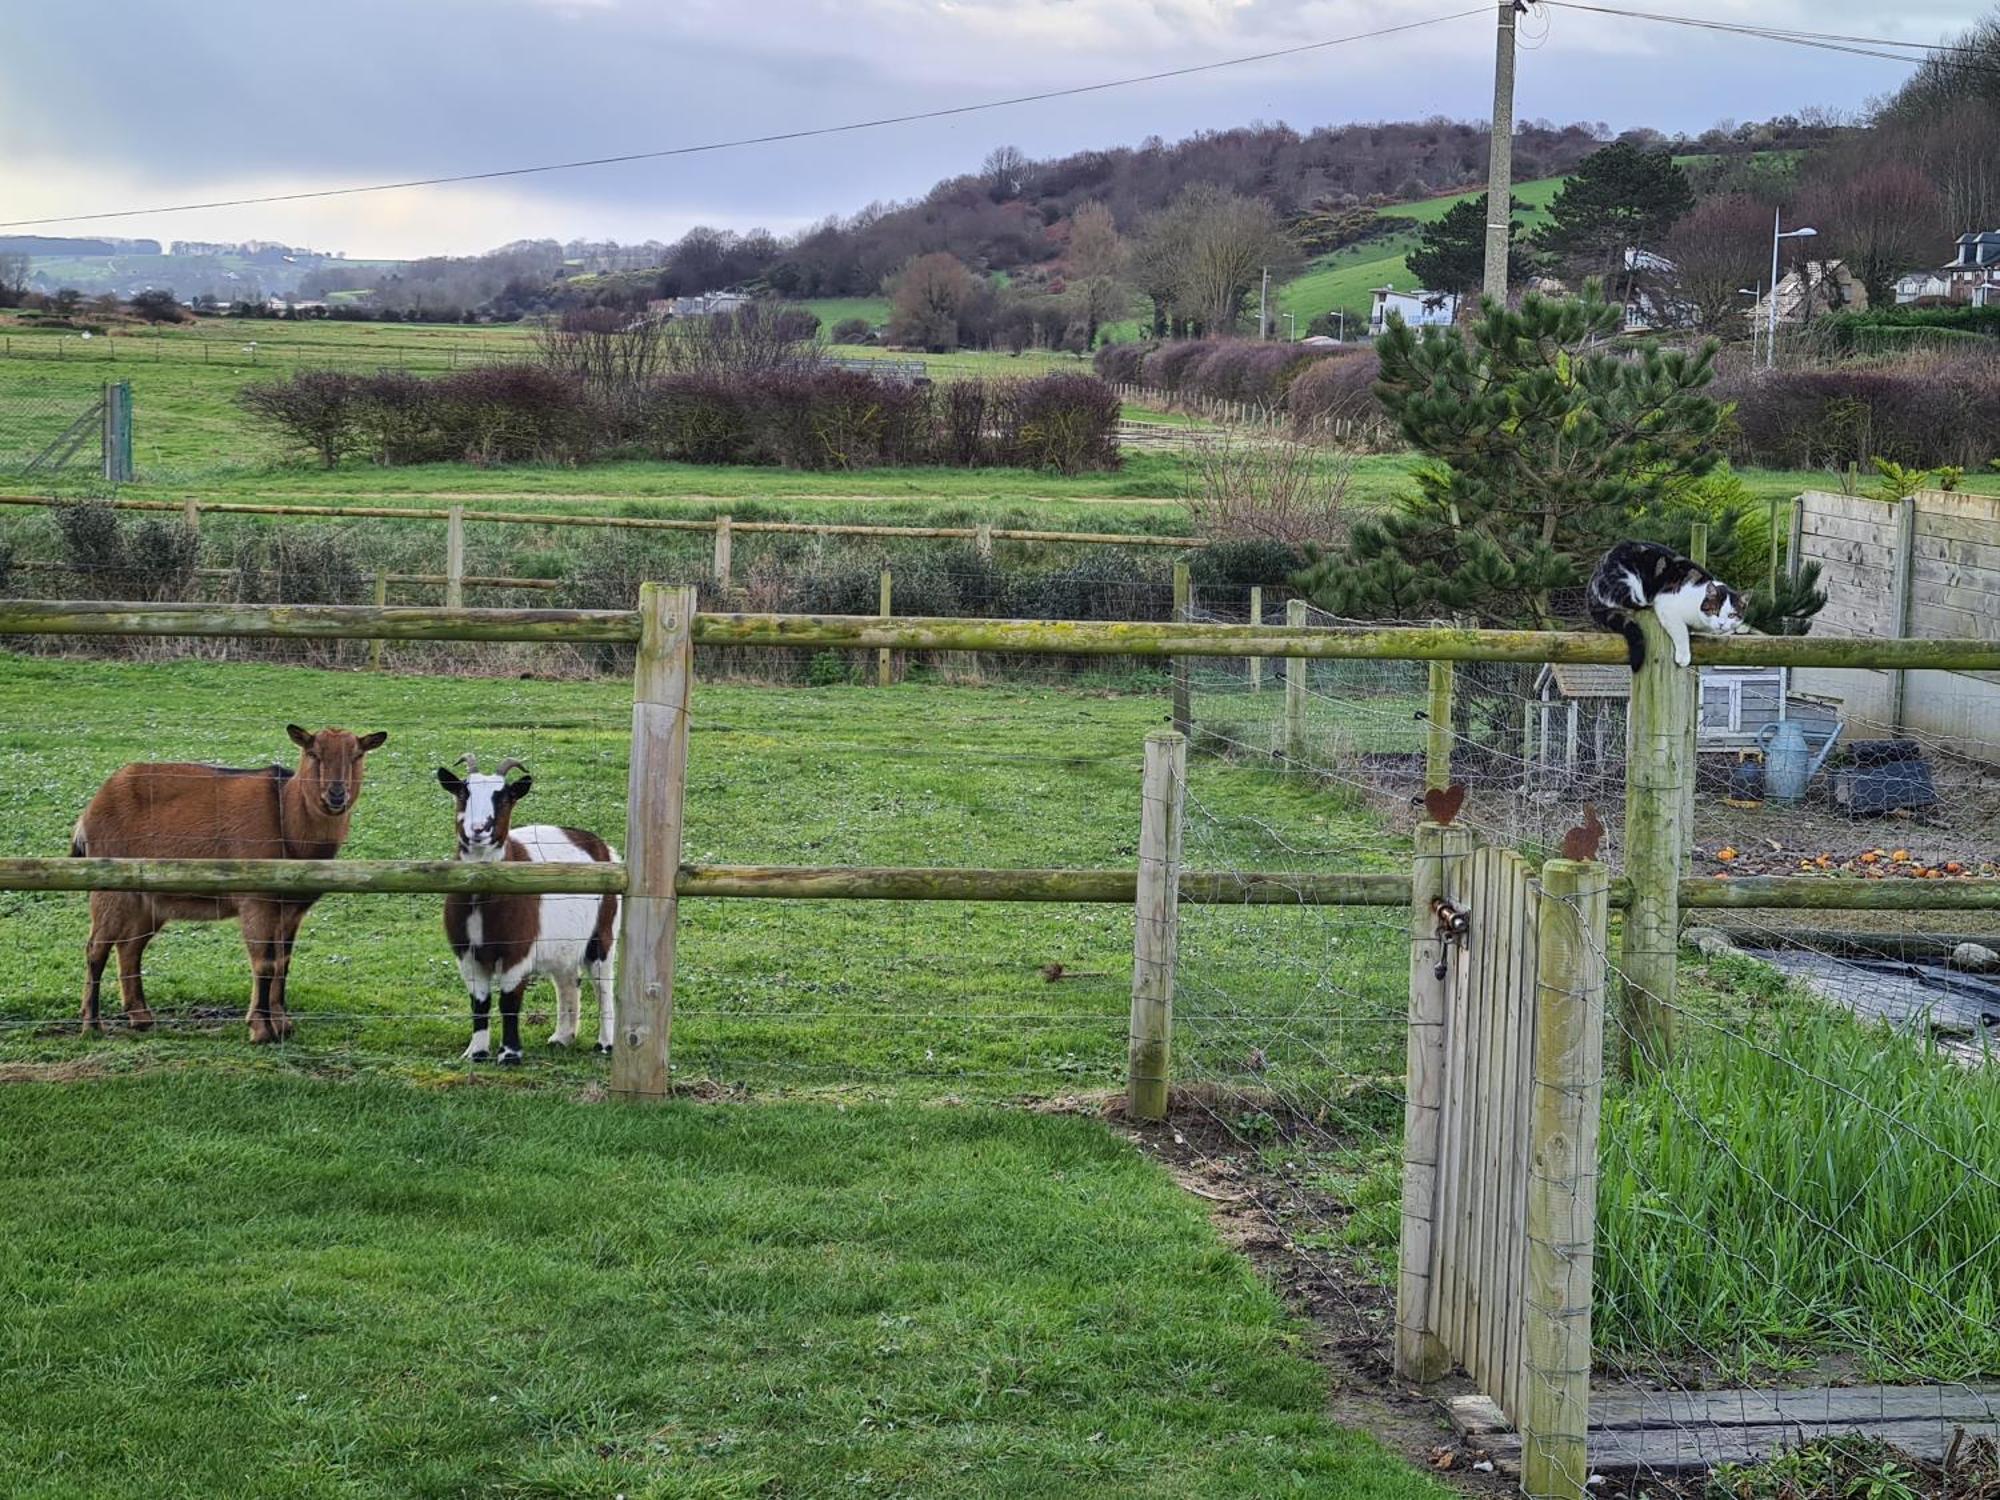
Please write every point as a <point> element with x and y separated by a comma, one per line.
<point>1672,1431</point>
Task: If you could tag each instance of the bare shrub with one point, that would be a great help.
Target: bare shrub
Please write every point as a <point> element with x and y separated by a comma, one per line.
<point>1275,492</point>
<point>756,337</point>
<point>603,349</point>
<point>313,407</point>
<point>1068,423</point>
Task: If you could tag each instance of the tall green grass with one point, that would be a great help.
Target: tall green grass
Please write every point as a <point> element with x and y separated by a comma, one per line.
<point>1799,1183</point>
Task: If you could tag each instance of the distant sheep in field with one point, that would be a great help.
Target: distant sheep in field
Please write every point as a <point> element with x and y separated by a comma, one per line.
<point>503,942</point>
<point>174,810</point>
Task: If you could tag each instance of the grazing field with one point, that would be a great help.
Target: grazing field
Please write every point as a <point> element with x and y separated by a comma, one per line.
<point>869,996</point>
<point>223,1286</point>
<point>1347,276</point>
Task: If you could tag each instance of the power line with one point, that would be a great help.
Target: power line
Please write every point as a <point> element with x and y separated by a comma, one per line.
<point>756,140</point>
<point>1859,46</point>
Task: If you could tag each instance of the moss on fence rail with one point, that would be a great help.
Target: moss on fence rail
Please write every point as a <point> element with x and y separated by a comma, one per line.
<point>300,877</point>
<point>1045,637</point>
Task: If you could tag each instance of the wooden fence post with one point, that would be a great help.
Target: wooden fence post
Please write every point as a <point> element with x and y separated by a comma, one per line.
<point>661,682</point>
<point>1437,728</point>
<point>882,667</point>
<point>1183,709</point>
<point>1771,578</point>
<point>982,539</point>
<point>1902,598</point>
<point>1698,543</point>
<point>381,600</point>
<point>1440,855</point>
<point>1295,690</point>
<point>1256,618</point>
<point>1563,1108</point>
<point>722,543</point>
<point>1156,927</point>
<point>454,559</point>
<point>1659,774</point>
<point>191,514</point>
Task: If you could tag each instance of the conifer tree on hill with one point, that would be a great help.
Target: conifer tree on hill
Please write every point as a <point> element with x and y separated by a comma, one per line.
<point>1542,447</point>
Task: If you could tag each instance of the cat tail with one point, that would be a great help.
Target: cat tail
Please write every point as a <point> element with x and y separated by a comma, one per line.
<point>1635,642</point>
<point>1607,617</point>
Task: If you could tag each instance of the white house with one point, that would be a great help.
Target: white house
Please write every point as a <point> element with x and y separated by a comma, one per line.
<point>1419,308</point>
<point>709,302</point>
<point>1921,286</point>
<point>1973,272</point>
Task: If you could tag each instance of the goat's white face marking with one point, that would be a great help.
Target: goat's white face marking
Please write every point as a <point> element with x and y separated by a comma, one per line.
<point>476,820</point>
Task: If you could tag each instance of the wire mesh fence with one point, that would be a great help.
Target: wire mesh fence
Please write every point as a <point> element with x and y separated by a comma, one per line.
<point>49,426</point>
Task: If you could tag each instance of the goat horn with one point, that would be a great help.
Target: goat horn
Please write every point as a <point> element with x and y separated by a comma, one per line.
<point>510,765</point>
<point>469,761</point>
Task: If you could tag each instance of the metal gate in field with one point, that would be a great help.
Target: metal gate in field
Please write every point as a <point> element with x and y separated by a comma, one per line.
<point>45,432</point>
<point>1506,1047</point>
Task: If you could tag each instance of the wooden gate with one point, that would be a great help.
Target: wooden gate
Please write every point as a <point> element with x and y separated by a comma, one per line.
<point>1506,1045</point>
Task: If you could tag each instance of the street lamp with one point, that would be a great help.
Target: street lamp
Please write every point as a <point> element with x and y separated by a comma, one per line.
<point>1291,327</point>
<point>1753,293</point>
<point>1771,333</point>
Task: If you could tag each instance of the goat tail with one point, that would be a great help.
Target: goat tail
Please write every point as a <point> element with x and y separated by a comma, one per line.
<point>76,845</point>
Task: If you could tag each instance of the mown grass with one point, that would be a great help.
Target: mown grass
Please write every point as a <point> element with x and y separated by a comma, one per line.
<point>906,999</point>
<point>226,1286</point>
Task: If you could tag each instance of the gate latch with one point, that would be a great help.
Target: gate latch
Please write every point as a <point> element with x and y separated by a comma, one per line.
<point>1453,923</point>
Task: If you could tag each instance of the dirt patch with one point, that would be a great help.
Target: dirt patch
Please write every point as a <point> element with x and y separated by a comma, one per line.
<point>1262,1213</point>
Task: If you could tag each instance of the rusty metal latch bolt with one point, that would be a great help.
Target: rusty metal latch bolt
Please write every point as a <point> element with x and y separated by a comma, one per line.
<point>1453,923</point>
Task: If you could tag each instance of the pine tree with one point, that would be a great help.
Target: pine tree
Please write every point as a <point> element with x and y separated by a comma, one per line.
<point>1451,253</point>
<point>1542,448</point>
<point>1617,198</point>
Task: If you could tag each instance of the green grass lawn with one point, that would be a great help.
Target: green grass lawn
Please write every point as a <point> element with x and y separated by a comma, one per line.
<point>858,996</point>
<point>231,1286</point>
<point>1347,277</point>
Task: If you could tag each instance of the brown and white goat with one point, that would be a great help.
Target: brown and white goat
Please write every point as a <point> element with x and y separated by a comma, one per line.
<point>176,810</point>
<point>503,942</point>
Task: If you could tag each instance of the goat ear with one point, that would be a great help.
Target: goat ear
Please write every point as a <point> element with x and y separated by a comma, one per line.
<point>300,737</point>
<point>374,741</point>
<point>516,789</point>
<point>450,782</point>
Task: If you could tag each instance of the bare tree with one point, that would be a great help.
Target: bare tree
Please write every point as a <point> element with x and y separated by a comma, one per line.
<point>927,300</point>
<point>1006,170</point>
<point>1720,246</point>
<point>1097,267</point>
<point>1884,220</point>
<point>1208,249</point>
<point>13,279</point>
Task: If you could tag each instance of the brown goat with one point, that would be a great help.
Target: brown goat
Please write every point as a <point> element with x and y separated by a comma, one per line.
<point>187,811</point>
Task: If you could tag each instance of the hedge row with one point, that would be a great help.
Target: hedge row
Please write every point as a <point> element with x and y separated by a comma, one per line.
<point>1310,383</point>
<point>813,418</point>
<point>1925,411</point>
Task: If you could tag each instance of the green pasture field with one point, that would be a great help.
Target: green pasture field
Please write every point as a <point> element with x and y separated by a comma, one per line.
<point>224,1286</point>
<point>849,995</point>
<point>1347,277</point>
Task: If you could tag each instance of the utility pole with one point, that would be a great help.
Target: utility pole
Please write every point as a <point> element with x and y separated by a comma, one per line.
<point>1500,163</point>
<point>1263,300</point>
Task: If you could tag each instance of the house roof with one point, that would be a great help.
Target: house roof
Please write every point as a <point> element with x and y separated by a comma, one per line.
<point>1579,680</point>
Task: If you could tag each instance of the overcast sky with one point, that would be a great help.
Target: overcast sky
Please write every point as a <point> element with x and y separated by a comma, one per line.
<point>106,104</point>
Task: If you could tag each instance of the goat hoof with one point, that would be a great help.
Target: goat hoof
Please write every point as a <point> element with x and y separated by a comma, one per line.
<point>510,1057</point>
<point>604,1049</point>
<point>561,1043</point>
<point>475,1054</point>
<point>138,1020</point>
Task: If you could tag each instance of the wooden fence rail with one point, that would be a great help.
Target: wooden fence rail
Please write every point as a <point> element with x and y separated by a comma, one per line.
<point>932,633</point>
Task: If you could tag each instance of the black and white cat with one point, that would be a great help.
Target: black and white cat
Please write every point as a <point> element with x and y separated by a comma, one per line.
<point>1684,595</point>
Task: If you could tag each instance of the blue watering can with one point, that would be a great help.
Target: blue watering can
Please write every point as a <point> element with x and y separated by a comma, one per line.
<point>1789,762</point>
